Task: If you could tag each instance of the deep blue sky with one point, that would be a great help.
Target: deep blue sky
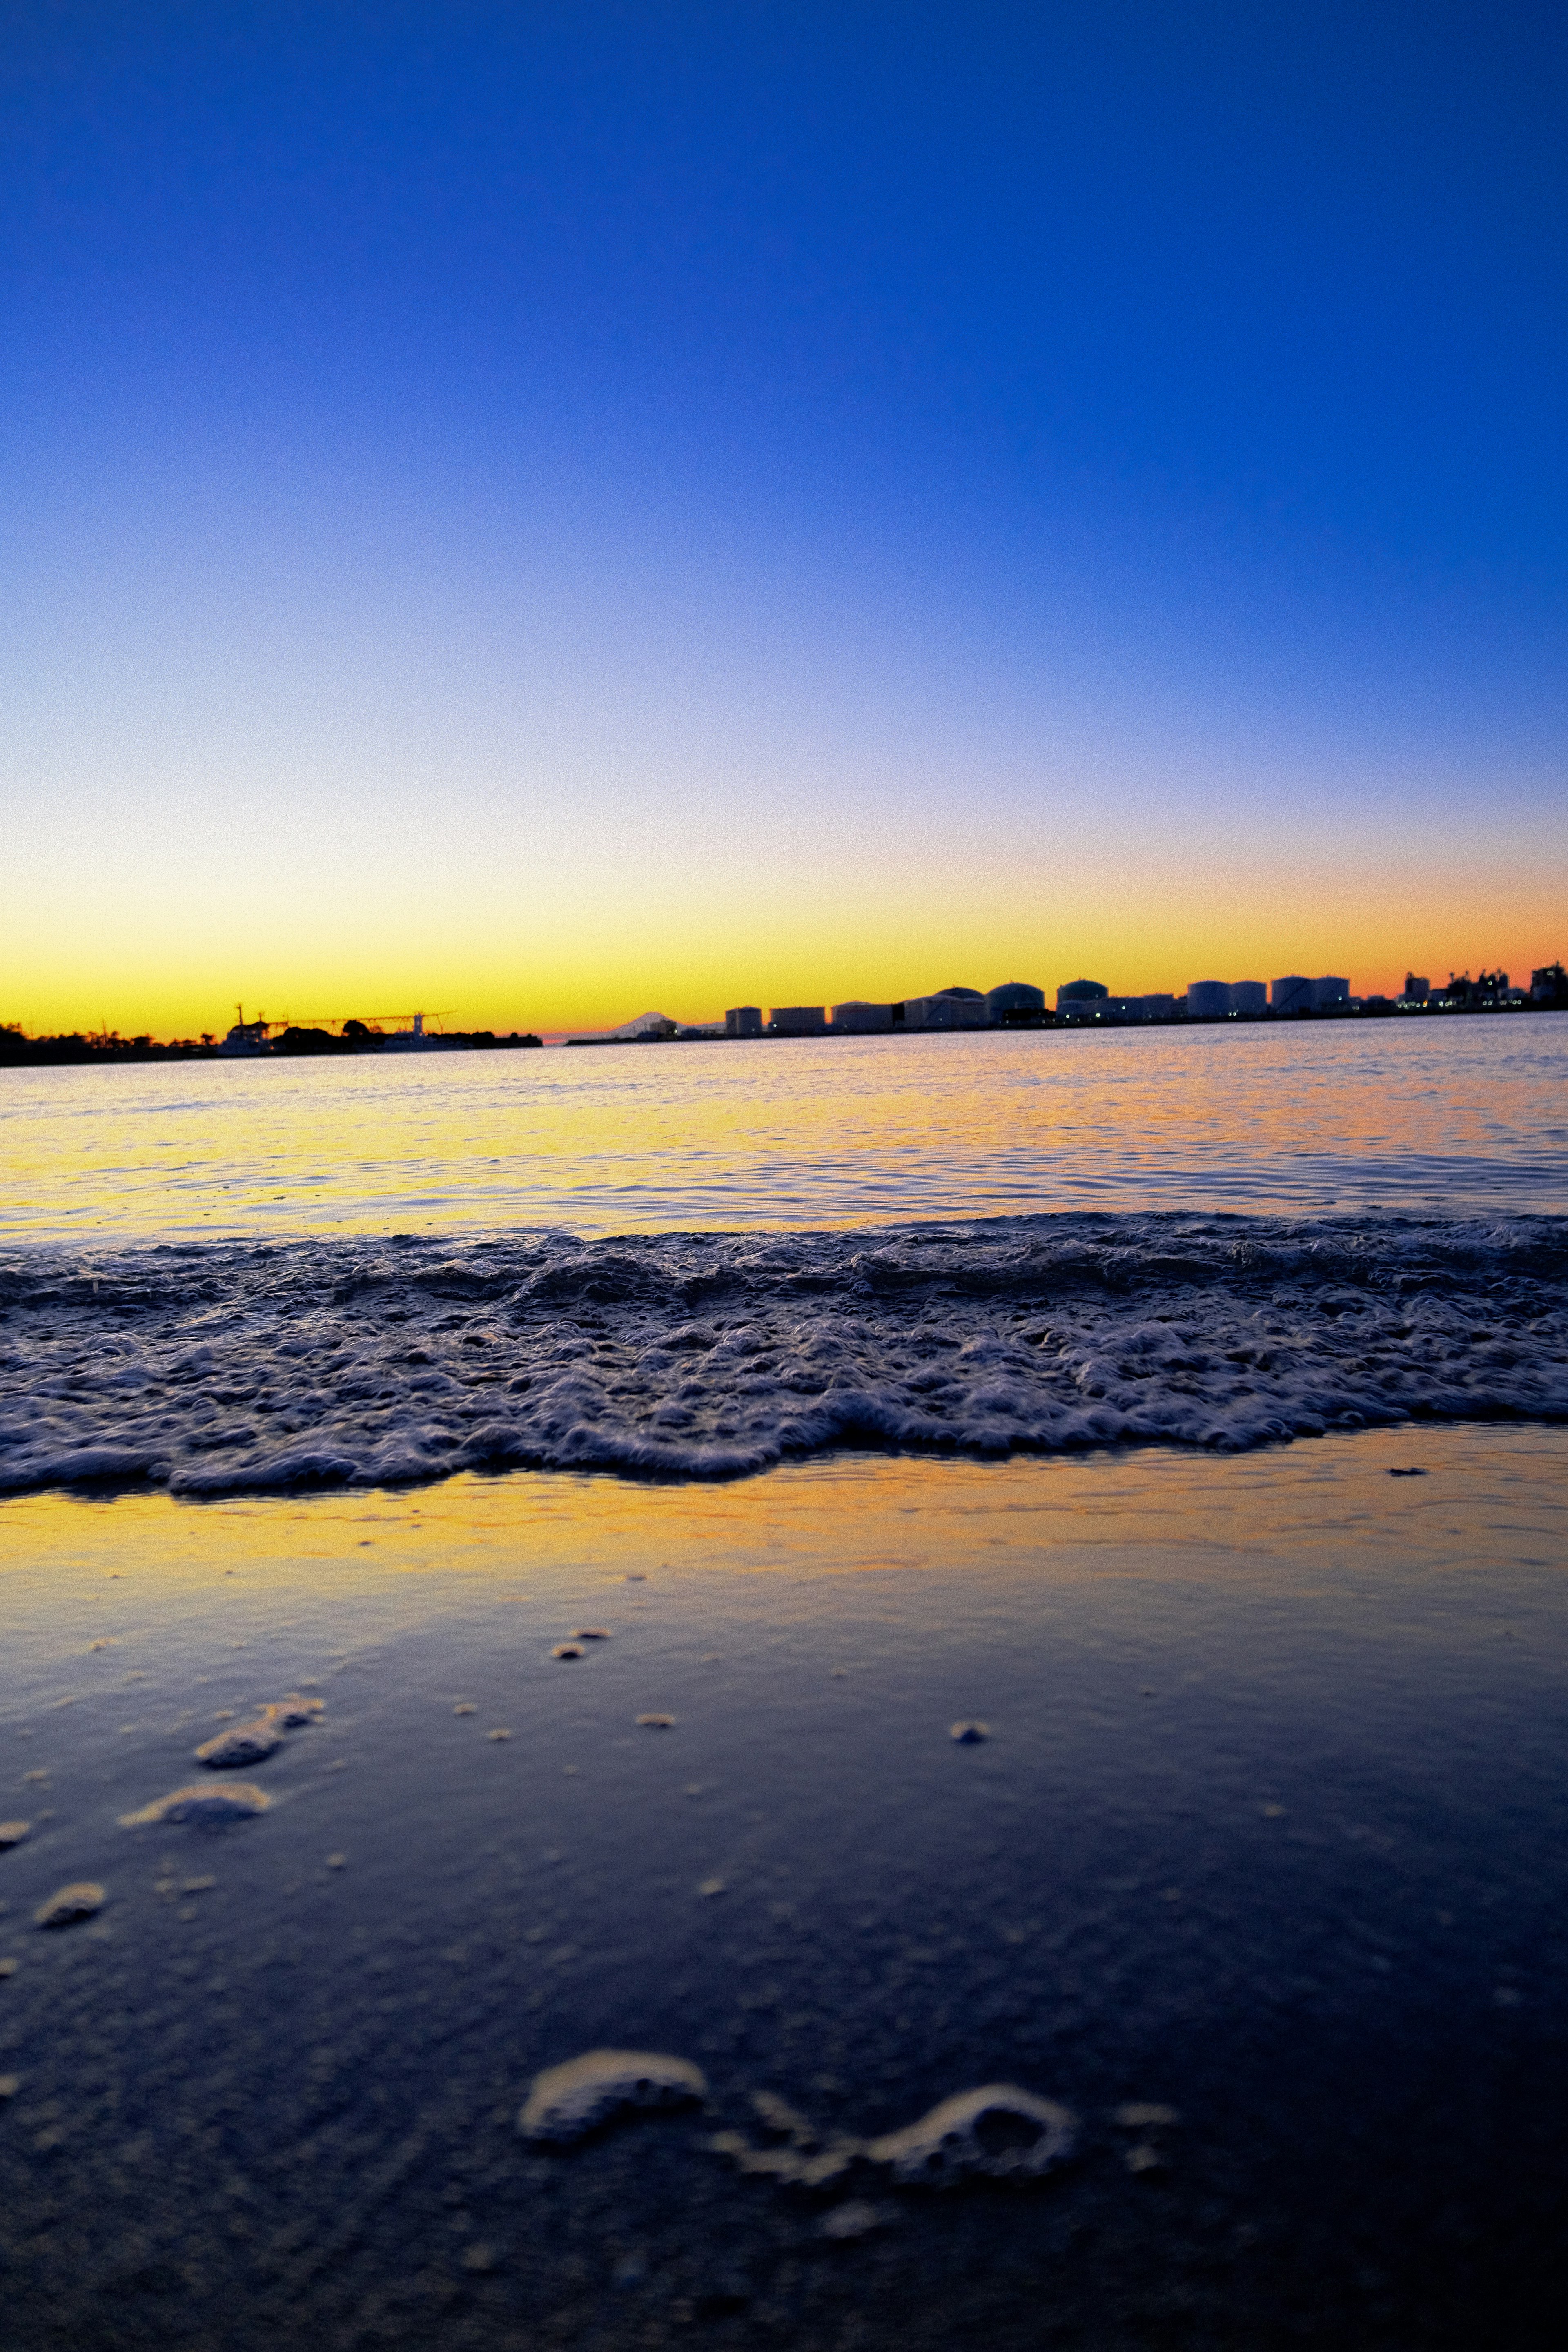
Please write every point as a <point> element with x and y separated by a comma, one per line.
<point>791,418</point>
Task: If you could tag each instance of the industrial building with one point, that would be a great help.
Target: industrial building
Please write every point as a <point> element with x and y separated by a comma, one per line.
<point>1015,1001</point>
<point>1216,1000</point>
<point>950,1008</point>
<point>1018,1004</point>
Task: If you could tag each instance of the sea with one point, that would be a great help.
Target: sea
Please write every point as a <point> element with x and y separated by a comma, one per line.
<point>700,1260</point>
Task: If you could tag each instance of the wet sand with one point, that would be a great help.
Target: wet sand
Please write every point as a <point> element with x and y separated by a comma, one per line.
<point>1269,1830</point>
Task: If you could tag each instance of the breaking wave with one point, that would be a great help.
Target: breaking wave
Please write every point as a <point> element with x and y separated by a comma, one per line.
<point>214,1368</point>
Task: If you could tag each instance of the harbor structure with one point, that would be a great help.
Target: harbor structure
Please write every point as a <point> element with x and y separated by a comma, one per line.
<point>1073,994</point>
<point>1124,1008</point>
<point>1015,1001</point>
<point>857,1018</point>
<point>1292,994</point>
<point>1217,1000</point>
<point>796,1020</point>
<point>948,1008</point>
<point>245,1038</point>
<point>1330,990</point>
<point>743,1021</point>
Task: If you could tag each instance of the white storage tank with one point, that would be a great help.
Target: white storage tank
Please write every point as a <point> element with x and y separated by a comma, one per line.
<point>1208,1000</point>
<point>1014,1000</point>
<point>950,1008</point>
<point>1080,995</point>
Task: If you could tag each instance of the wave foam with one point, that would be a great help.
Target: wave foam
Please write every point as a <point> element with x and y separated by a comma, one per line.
<point>212,1369</point>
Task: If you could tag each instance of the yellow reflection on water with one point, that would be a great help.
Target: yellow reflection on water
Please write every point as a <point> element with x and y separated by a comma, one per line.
<point>1488,1495</point>
<point>789,1135</point>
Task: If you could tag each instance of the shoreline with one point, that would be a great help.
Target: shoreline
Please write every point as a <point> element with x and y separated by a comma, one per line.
<point>79,1051</point>
<point>218,1369</point>
<point>1268,1831</point>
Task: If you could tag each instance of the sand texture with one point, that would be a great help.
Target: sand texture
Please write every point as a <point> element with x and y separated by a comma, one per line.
<point>1240,1940</point>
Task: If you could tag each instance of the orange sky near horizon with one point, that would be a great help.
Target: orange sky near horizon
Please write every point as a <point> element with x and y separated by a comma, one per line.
<point>170,972</point>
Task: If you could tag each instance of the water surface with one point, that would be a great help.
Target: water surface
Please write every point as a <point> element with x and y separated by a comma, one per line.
<point>1444,1115</point>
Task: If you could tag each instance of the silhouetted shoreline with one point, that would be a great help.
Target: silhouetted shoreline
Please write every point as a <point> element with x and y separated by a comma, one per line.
<point>20,1051</point>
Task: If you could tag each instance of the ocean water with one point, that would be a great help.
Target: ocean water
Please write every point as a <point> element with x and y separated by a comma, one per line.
<point>702,1261</point>
<point>1446,1116</point>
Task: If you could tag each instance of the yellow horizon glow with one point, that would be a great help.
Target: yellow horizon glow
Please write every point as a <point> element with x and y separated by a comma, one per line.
<point>563,978</point>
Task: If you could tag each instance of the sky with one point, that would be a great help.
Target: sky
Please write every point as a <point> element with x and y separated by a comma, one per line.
<point>536,513</point>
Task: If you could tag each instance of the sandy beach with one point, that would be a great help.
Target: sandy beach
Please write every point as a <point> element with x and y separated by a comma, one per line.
<point>1258,1871</point>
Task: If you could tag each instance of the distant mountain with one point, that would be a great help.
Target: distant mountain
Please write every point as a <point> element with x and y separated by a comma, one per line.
<point>644,1020</point>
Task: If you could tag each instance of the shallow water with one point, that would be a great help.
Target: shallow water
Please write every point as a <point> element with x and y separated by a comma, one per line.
<point>212,1367</point>
<point>1438,1115</point>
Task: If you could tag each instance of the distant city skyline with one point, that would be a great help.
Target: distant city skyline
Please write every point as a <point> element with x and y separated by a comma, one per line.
<point>457,1018</point>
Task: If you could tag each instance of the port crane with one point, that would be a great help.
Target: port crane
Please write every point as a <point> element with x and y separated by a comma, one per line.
<point>416,1021</point>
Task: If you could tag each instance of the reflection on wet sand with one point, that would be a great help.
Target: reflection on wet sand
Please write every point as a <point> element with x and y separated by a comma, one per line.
<point>1247,1915</point>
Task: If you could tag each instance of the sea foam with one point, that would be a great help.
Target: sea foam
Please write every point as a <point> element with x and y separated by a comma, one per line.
<point>214,1368</point>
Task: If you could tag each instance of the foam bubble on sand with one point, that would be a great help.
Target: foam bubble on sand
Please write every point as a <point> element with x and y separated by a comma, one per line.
<point>592,1633</point>
<point>655,1722</point>
<point>969,1735</point>
<point>999,2131</point>
<point>565,2103</point>
<point>253,1742</point>
<point>1152,2121</point>
<point>793,2167</point>
<point>14,1833</point>
<point>208,1808</point>
<point>567,1650</point>
<point>854,2219</point>
<point>243,1743</point>
<point>795,2154</point>
<point>1040,1333</point>
<point>294,1712</point>
<point>69,1904</point>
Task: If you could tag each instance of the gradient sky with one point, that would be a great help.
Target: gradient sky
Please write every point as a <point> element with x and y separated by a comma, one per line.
<point>549,511</point>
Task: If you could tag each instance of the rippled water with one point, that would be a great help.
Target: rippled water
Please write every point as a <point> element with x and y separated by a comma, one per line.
<point>1444,1115</point>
